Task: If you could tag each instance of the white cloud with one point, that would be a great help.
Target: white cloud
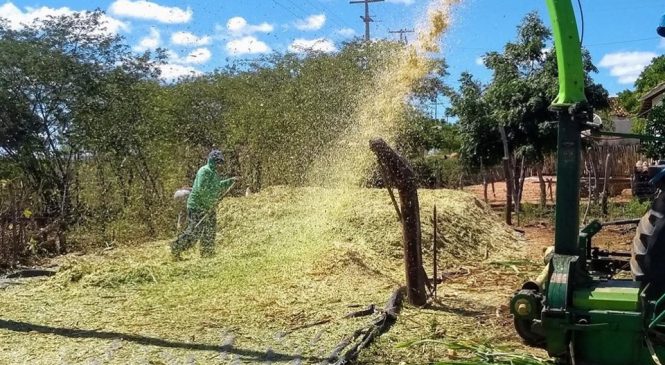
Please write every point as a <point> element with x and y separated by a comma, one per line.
<point>346,32</point>
<point>246,45</point>
<point>171,71</point>
<point>198,56</point>
<point>405,2</point>
<point>313,22</point>
<point>32,16</point>
<point>148,10</point>
<point>479,61</point>
<point>238,26</point>
<point>189,39</point>
<point>319,44</point>
<point>149,42</point>
<point>626,66</point>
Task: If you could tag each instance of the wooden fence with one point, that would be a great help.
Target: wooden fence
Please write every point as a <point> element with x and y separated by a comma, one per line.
<point>620,166</point>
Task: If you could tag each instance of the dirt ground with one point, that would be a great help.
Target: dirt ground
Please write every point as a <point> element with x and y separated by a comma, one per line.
<point>496,195</point>
<point>531,193</point>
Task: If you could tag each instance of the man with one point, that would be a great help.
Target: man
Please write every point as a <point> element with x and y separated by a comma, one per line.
<point>201,208</point>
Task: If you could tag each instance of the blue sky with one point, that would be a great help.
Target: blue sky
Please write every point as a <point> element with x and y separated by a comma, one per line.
<point>202,35</point>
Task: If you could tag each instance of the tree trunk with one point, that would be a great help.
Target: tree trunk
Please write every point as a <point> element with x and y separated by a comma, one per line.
<point>518,170</point>
<point>508,178</point>
<point>520,189</point>
<point>403,177</point>
<point>484,174</point>
<point>543,189</point>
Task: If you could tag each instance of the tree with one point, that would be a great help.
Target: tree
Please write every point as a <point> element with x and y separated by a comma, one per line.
<point>478,130</point>
<point>629,100</point>
<point>480,145</point>
<point>280,113</point>
<point>651,76</point>
<point>524,82</point>
<point>56,78</point>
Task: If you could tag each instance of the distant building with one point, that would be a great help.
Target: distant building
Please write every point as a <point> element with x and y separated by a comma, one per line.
<point>621,123</point>
<point>652,99</point>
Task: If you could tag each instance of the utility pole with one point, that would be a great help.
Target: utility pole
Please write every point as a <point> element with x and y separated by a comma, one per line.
<point>435,105</point>
<point>367,18</point>
<point>402,34</point>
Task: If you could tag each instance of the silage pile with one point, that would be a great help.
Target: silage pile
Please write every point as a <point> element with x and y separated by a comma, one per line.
<point>287,258</point>
<point>360,225</point>
<point>320,230</point>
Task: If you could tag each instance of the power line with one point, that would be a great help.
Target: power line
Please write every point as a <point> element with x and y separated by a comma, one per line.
<point>305,12</point>
<point>622,42</point>
<point>286,8</point>
<point>402,34</point>
<point>325,9</point>
<point>367,18</point>
<point>579,3</point>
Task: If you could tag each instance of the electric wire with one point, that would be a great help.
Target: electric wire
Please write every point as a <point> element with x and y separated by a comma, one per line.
<point>622,42</point>
<point>334,17</point>
<point>286,8</point>
<point>579,3</point>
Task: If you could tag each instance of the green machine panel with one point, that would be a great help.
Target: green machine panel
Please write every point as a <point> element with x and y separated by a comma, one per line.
<point>613,295</point>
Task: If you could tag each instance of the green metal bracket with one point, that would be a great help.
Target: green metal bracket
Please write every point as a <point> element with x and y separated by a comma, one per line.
<point>561,280</point>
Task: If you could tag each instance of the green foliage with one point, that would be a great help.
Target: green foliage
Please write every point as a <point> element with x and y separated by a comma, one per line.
<point>639,125</point>
<point>633,209</point>
<point>104,142</point>
<point>70,94</point>
<point>437,171</point>
<point>651,76</point>
<point>629,100</point>
<point>422,133</point>
<point>655,126</point>
<point>523,85</point>
<point>478,131</point>
<point>533,213</point>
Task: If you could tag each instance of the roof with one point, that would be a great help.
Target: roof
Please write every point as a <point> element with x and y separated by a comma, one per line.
<point>616,109</point>
<point>649,96</point>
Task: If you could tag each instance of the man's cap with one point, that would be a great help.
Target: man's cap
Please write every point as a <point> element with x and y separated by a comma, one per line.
<point>216,156</point>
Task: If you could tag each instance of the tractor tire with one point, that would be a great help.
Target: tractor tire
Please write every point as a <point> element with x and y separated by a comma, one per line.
<point>647,262</point>
<point>525,331</point>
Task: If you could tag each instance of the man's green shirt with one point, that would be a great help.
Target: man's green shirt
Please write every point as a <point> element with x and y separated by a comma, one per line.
<point>208,186</point>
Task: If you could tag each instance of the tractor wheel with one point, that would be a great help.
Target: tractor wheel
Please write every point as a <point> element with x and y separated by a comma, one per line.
<point>647,261</point>
<point>525,330</point>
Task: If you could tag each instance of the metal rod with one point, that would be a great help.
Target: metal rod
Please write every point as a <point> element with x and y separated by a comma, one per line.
<point>620,222</point>
<point>389,184</point>
<point>434,252</point>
